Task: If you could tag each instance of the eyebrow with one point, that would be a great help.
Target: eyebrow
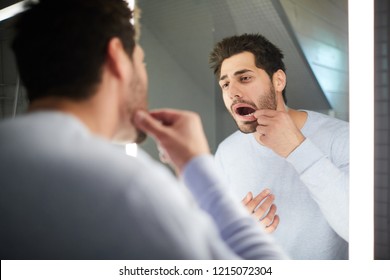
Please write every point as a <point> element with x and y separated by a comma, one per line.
<point>239,72</point>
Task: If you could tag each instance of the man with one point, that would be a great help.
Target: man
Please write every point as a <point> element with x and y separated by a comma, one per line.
<point>300,157</point>
<point>67,192</point>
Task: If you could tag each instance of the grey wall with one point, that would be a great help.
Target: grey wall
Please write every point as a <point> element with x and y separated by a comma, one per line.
<point>321,28</point>
<point>171,85</point>
<point>382,132</point>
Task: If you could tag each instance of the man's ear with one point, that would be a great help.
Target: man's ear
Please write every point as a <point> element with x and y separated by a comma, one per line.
<point>117,59</point>
<point>279,80</point>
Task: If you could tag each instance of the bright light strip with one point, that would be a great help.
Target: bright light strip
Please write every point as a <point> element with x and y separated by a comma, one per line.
<point>12,10</point>
<point>131,4</point>
<point>361,94</point>
<point>132,149</point>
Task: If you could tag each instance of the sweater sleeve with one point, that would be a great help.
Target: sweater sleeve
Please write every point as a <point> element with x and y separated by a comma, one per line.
<point>326,179</point>
<point>238,229</point>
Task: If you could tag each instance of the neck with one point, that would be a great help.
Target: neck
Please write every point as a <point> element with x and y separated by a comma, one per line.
<point>299,117</point>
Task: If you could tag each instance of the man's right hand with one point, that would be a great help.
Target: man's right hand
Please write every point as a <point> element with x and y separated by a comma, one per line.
<point>179,135</point>
<point>262,207</point>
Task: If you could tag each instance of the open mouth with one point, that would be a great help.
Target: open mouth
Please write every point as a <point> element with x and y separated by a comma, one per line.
<point>244,110</point>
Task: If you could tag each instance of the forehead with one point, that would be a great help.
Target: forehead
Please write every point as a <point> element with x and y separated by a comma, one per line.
<point>244,60</point>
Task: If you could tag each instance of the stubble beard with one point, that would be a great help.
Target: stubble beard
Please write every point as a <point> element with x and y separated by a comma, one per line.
<point>140,137</point>
<point>264,102</point>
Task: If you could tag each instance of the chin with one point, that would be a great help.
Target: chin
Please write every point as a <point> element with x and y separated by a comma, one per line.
<point>247,127</point>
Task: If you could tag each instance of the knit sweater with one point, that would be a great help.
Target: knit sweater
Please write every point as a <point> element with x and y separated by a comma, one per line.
<point>311,185</point>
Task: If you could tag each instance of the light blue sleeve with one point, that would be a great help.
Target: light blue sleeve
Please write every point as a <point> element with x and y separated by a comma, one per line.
<point>327,182</point>
<point>238,229</point>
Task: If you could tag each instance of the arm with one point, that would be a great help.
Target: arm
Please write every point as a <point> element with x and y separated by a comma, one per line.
<point>181,136</point>
<point>238,229</point>
<point>327,182</point>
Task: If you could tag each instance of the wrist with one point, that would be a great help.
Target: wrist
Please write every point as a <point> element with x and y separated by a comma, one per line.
<point>298,142</point>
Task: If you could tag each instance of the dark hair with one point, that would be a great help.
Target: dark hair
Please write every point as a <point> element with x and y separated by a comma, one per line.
<point>60,45</point>
<point>267,56</point>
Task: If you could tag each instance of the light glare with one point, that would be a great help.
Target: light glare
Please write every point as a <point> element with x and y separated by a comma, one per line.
<point>12,10</point>
<point>132,149</point>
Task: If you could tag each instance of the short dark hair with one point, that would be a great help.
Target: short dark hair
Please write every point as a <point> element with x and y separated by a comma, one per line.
<point>267,56</point>
<point>60,45</point>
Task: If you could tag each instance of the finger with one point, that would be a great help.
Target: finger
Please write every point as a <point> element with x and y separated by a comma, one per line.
<point>247,198</point>
<point>272,227</point>
<point>148,124</point>
<point>258,198</point>
<point>166,116</point>
<point>267,219</point>
<point>261,129</point>
<point>265,115</point>
<point>263,208</point>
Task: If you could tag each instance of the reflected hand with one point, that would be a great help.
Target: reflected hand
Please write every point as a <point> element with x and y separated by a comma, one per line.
<point>277,131</point>
<point>263,209</point>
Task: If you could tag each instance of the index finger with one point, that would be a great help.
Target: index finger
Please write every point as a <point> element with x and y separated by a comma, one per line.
<point>265,113</point>
<point>168,116</point>
<point>258,198</point>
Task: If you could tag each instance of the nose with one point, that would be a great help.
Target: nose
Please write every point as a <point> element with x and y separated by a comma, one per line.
<point>233,91</point>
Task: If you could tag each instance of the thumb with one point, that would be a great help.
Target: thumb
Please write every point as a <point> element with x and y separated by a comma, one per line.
<point>145,122</point>
<point>247,198</point>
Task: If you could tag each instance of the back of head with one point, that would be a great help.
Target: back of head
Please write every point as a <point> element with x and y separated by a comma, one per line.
<point>60,45</point>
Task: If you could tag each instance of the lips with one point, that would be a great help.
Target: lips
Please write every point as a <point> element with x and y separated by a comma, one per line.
<point>244,111</point>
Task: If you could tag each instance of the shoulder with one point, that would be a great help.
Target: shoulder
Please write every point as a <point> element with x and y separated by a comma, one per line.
<point>323,125</point>
<point>330,134</point>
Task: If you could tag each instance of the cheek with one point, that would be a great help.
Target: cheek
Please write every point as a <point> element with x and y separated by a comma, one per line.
<point>227,100</point>
<point>257,92</point>
<point>143,81</point>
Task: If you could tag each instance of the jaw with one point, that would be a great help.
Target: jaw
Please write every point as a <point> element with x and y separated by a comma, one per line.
<point>247,126</point>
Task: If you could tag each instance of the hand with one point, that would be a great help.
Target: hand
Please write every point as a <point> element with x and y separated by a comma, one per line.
<point>277,131</point>
<point>179,134</point>
<point>263,209</point>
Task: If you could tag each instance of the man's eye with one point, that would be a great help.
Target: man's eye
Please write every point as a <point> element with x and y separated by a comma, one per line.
<point>225,85</point>
<point>245,78</point>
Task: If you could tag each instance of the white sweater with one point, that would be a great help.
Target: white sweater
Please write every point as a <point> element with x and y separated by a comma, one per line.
<point>311,186</point>
<point>68,194</point>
